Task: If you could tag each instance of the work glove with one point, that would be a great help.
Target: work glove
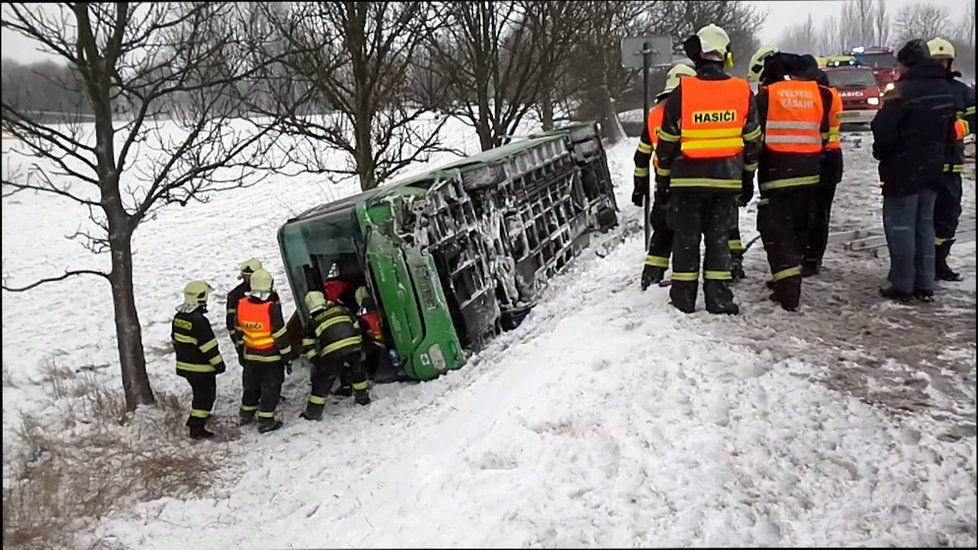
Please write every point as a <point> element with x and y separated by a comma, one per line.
<point>641,190</point>
<point>220,367</point>
<point>661,183</point>
<point>746,189</point>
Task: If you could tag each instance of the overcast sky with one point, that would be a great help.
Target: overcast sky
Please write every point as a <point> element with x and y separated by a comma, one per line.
<point>781,13</point>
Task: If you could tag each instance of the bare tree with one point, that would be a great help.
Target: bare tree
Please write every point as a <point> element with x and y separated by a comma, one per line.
<point>966,32</point>
<point>492,54</point>
<point>599,82</point>
<point>828,43</point>
<point>921,21</point>
<point>598,78</point>
<point>357,59</point>
<point>848,27</point>
<point>881,20</point>
<point>801,37</point>
<point>45,88</point>
<point>188,61</point>
<point>863,11</point>
<point>556,23</point>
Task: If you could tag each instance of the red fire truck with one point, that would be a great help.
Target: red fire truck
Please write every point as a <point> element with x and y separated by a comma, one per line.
<point>883,62</point>
<point>861,94</point>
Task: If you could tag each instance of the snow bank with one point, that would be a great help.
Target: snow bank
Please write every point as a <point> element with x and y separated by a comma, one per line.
<point>606,419</point>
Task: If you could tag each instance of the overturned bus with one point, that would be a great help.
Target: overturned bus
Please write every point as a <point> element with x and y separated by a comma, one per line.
<point>453,256</point>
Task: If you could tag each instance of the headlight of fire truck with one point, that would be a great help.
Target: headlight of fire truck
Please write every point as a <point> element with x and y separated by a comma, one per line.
<point>889,86</point>
<point>873,101</point>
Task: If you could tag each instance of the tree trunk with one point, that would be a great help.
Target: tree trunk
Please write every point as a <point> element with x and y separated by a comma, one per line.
<point>484,126</point>
<point>613,131</point>
<point>365,153</point>
<point>135,382</point>
<point>547,107</point>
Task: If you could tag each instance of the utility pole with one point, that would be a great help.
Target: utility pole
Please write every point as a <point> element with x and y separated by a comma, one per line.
<point>644,52</point>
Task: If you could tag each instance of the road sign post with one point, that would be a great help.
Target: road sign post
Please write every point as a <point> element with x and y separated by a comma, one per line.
<point>645,51</point>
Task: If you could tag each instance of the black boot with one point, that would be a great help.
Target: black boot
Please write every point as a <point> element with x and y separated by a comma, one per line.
<point>362,397</point>
<point>652,275</point>
<point>926,296</point>
<point>344,390</point>
<point>891,293</point>
<point>787,292</point>
<point>246,417</point>
<point>943,271</point>
<point>719,298</point>
<point>682,295</point>
<point>313,412</point>
<point>197,429</point>
<point>737,266</point>
<point>268,424</point>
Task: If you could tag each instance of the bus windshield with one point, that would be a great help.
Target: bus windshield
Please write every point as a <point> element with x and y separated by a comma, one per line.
<point>878,60</point>
<point>327,246</point>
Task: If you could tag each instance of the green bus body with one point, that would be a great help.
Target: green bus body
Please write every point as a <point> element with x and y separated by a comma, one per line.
<point>454,255</point>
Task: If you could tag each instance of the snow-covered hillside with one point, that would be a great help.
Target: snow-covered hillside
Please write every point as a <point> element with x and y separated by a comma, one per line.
<point>606,419</point>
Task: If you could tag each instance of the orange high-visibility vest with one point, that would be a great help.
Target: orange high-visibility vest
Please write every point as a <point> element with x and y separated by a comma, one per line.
<point>835,124</point>
<point>959,130</point>
<point>713,117</point>
<point>654,122</point>
<point>255,321</point>
<point>794,117</point>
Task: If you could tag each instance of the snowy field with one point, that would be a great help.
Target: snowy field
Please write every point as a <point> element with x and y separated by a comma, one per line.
<point>606,419</point>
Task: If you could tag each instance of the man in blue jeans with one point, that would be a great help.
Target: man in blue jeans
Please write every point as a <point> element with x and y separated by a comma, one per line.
<point>910,133</point>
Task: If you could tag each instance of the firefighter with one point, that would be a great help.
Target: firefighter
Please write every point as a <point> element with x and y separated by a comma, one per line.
<point>830,175</point>
<point>198,359</point>
<point>374,345</point>
<point>237,293</point>
<point>947,209</point>
<point>794,117</point>
<point>266,351</point>
<point>660,244</point>
<point>333,343</point>
<point>707,151</point>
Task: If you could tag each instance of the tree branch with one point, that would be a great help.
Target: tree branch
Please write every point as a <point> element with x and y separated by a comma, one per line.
<point>55,279</point>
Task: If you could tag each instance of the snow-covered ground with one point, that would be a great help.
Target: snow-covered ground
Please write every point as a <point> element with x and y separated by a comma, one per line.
<point>606,419</point>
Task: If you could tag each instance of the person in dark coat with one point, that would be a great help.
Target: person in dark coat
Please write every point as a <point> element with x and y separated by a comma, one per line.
<point>910,134</point>
<point>947,208</point>
<point>830,174</point>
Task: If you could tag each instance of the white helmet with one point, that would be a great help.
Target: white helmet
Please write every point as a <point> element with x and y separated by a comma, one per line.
<point>941,48</point>
<point>315,301</point>
<point>756,65</point>
<point>713,39</point>
<point>196,293</point>
<point>677,71</point>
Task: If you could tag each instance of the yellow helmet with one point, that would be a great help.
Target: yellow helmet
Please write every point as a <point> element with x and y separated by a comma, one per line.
<point>941,48</point>
<point>756,65</point>
<point>261,281</point>
<point>248,267</point>
<point>196,293</point>
<point>677,71</point>
<point>713,39</point>
<point>315,301</point>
